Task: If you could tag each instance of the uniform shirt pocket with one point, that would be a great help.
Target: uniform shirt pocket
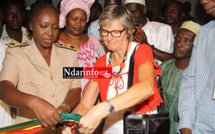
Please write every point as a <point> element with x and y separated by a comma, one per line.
<point>32,85</point>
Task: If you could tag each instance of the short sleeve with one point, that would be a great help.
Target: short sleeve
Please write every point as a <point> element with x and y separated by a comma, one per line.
<point>10,69</point>
<point>144,54</point>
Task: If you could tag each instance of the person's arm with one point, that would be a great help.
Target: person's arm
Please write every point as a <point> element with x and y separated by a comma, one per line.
<point>89,98</point>
<point>185,131</point>
<point>71,101</point>
<point>165,42</point>
<point>87,101</point>
<point>74,95</point>
<point>160,55</point>
<point>45,112</point>
<point>140,38</point>
<point>136,94</point>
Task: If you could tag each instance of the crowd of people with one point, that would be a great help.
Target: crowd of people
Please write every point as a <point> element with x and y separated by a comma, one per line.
<point>82,33</point>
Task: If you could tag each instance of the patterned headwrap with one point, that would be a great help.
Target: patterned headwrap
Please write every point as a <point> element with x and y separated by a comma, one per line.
<point>68,5</point>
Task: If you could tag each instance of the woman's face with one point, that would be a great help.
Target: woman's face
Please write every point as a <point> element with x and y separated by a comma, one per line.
<point>76,22</point>
<point>45,27</point>
<point>115,43</point>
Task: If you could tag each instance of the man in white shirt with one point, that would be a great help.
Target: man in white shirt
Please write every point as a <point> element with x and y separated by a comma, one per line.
<point>5,112</point>
<point>158,35</point>
<point>13,31</point>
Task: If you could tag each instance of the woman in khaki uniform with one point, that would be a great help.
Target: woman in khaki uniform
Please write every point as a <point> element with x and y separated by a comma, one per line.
<point>32,74</point>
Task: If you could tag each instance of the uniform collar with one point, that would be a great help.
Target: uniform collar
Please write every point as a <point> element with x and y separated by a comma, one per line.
<point>37,58</point>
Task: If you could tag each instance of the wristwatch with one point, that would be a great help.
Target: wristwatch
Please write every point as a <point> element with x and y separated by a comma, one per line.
<point>111,108</point>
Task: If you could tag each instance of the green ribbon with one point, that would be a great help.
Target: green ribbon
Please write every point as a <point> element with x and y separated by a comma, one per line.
<point>67,117</point>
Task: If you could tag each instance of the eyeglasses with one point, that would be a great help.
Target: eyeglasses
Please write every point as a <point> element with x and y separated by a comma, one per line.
<point>114,33</point>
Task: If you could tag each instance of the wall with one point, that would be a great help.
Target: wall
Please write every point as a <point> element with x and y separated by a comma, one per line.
<point>194,4</point>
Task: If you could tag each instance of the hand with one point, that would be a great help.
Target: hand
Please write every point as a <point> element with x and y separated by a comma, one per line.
<point>141,38</point>
<point>92,119</point>
<point>67,131</point>
<point>62,109</point>
<point>70,130</point>
<point>45,112</point>
<point>185,131</point>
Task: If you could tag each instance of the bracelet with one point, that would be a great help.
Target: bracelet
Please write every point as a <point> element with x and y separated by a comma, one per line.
<point>65,105</point>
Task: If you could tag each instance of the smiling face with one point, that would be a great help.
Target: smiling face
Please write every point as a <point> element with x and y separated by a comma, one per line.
<point>183,44</point>
<point>209,6</point>
<point>13,16</point>
<point>115,44</point>
<point>45,27</point>
<point>76,22</point>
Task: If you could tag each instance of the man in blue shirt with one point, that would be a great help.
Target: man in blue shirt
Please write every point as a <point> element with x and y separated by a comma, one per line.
<point>196,105</point>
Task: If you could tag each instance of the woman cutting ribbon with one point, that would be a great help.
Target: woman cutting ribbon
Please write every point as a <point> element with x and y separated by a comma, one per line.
<point>116,31</point>
<point>32,74</point>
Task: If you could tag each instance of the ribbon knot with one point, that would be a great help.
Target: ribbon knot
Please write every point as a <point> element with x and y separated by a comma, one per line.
<point>116,80</point>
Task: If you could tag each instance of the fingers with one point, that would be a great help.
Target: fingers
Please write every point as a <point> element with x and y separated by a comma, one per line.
<point>47,122</point>
<point>43,123</point>
<point>137,38</point>
<point>143,33</point>
<point>86,130</point>
<point>46,112</point>
<point>58,118</point>
<point>50,119</point>
<point>140,38</point>
<point>53,120</point>
<point>67,131</point>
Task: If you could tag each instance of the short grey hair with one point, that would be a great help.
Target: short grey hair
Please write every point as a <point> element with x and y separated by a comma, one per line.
<point>115,12</point>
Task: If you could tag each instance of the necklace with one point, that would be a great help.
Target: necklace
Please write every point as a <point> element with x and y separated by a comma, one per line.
<point>122,65</point>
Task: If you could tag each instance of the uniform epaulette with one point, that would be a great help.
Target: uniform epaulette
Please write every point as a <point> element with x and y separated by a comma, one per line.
<point>67,46</point>
<point>11,45</point>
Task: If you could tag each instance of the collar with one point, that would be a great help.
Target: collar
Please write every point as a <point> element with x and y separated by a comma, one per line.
<point>36,57</point>
<point>7,39</point>
<point>147,23</point>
